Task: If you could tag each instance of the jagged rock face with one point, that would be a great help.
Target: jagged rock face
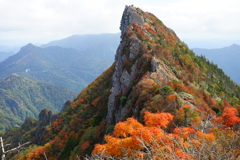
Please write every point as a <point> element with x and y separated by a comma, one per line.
<point>123,77</point>
<point>162,70</point>
<point>129,16</point>
<point>45,117</point>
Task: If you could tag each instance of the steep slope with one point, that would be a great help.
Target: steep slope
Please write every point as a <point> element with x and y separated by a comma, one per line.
<point>64,67</point>
<point>21,97</point>
<point>5,55</point>
<point>99,46</point>
<point>226,58</point>
<point>154,71</point>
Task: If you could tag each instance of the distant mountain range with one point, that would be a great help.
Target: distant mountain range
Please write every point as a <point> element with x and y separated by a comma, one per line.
<point>226,58</point>
<point>21,97</point>
<point>23,92</point>
<point>100,46</point>
<point>60,66</point>
<point>5,55</point>
<point>210,43</point>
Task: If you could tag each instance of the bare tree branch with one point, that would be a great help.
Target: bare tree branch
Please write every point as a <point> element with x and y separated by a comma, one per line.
<point>10,150</point>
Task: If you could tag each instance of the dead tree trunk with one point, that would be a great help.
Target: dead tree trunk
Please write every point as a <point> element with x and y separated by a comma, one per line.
<point>10,150</point>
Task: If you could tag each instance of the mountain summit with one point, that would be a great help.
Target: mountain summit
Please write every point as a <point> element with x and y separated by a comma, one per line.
<point>131,15</point>
<point>153,72</point>
<point>134,53</point>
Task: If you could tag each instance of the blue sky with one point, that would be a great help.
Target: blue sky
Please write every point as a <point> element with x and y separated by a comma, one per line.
<point>41,21</point>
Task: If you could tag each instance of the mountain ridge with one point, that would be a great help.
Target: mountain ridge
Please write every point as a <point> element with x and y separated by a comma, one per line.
<point>99,46</point>
<point>21,97</point>
<point>153,71</point>
<point>57,65</point>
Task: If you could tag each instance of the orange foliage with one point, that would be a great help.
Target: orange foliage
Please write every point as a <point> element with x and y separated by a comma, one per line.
<point>181,155</point>
<point>212,101</point>
<point>129,136</point>
<point>171,98</point>
<point>229,116</point>
<point>81,100</point>
<point>183,132</point>
<point>36,153</point>
<point>157,119</point>
<point>131,131</point>
<point>127,127</point>
<point>205,136</point>
<point>94,102</point>
<point>180,88</point>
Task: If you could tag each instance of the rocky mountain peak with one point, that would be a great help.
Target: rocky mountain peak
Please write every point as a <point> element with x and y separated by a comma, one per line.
<point>131,15</point>
<point>151,54</point>
<point>134,57</point>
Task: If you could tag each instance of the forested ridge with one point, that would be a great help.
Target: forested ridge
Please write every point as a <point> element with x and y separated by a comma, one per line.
<point>21,98</point>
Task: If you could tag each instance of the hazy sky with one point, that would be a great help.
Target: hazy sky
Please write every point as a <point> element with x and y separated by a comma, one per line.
<point>40,21</point>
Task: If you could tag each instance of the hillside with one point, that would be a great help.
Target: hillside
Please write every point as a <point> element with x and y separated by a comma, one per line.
<point>157,101</point>
<point>60,66</point>
<point>21,97</point>
<point>99,46</point>
<point>5,55</point>
<point>226,58</point>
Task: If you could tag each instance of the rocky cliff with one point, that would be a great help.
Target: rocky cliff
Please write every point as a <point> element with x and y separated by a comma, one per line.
<point>128,54</point>
<point>130,15</point>
<point>149,47</point>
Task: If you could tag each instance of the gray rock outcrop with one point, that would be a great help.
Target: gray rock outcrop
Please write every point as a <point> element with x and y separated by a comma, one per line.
<point>128,54</point>
<point>129,16</point>
<point>122,77</point>
<point>46,117</point>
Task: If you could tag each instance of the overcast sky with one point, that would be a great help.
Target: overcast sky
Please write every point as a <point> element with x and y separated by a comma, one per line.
<point>40,21</point>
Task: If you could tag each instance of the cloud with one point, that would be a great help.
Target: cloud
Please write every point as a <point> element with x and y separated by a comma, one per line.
<point>202,19</point>
<point>51,19</point>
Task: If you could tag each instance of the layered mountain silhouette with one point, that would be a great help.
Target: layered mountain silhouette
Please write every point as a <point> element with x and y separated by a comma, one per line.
<point>5,55</point>
<point>21,97</point>
<point>100,46</point>
<point>153,71</point>
<point>226,58</point>
<point>60,66</point>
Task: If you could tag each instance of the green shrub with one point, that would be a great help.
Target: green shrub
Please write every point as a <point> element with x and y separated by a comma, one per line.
<point>166,90</point>
<point>123,99</point>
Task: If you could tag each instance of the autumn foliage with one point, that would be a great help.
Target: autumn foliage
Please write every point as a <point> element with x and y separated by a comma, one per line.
<point>229,116</point>
<point>157,119</point>
<point>131,139</point>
